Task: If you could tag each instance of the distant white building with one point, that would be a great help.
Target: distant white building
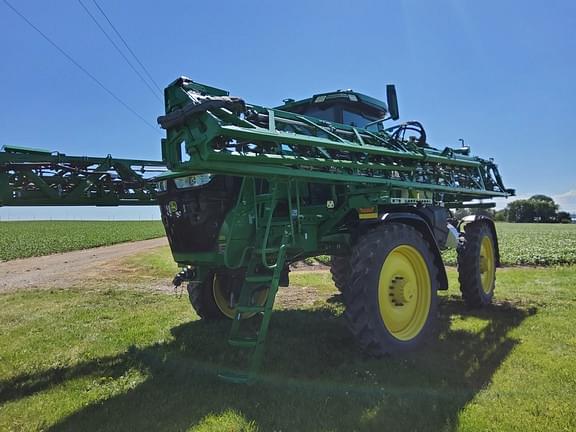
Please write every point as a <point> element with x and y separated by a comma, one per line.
<point>573,217</point>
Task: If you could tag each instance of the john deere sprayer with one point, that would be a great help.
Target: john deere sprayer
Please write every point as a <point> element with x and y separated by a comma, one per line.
<point>245,191</point>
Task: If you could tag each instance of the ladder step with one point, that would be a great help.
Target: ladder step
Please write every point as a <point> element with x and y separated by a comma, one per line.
<point>236,378</point>
<point>266,250</point>
<point>244,309</point>
<point>259,278</point>
<point>248,342</point>
<point>263,197</point>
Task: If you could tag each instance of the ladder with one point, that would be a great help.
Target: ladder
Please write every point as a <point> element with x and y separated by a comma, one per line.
<point>260,274</point>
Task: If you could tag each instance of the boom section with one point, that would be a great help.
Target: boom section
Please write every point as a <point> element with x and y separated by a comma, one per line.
<point>30,177</point>
<point>209,131</point>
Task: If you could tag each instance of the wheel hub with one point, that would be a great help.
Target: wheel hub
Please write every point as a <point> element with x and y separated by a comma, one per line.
<point>404,292</point>
<point>401,291</point>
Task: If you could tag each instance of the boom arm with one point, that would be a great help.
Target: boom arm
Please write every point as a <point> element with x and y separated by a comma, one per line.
<point>209,131</point>
<point>30,177</point>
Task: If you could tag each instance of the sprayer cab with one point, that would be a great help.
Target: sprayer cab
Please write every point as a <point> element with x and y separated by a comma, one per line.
<point>346,107</point>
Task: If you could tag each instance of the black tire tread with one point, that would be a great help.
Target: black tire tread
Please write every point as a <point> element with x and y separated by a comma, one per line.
<point>202,299</point>
<point>469,265</point>
<point>360,321</point>
<point>341,270</point>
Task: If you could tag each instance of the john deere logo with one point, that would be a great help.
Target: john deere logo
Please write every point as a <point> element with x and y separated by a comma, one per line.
<point>172,207</point>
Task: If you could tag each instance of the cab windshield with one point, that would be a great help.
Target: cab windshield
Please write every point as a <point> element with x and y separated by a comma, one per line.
<point>356,119</point>
<point>338,113</point>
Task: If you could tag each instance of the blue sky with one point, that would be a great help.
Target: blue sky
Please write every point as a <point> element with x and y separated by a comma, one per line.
<point>498,74</point>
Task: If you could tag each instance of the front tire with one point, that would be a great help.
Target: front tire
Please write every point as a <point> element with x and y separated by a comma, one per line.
<point>477,265</point>
<point>216,297</point>
<point>391,299</point>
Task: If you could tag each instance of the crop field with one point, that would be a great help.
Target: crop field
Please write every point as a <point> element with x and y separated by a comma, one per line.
<point>533,244</point>
<point>113,355</point>
<point>523,244</point>
<point>23,239</point>
<point>520,244</point>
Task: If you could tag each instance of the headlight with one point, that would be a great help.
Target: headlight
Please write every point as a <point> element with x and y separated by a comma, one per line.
<point>162,186</point>
<point>193,181</point>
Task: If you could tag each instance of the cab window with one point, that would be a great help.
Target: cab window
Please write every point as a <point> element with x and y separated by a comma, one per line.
<point>355,119</point>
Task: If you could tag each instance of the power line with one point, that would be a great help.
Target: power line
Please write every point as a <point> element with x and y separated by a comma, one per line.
<point>127,47</point>
<point>79,66</point>
<point>119,50</point>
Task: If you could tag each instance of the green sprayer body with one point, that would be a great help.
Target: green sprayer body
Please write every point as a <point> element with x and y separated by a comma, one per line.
<point>246,190</point>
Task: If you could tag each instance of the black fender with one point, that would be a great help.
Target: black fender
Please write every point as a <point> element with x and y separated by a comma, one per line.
<point>421,225</point>
<point>490,223</point>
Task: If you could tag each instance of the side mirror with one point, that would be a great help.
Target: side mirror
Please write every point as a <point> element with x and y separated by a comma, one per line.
<point>392,101</point>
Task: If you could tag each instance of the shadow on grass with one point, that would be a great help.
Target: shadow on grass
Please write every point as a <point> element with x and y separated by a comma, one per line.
<point>314,377</point>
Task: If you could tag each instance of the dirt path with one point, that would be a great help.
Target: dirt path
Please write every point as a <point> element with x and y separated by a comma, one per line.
<point>66,267</point>
<point>74,268</point>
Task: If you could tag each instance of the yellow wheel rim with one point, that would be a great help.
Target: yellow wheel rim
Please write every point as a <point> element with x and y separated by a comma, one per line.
<point>487,264</point>
<point>404,292</point>
<point>226,299</point>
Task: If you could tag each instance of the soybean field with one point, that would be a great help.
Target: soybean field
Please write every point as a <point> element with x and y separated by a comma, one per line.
<point>22,239</point>
<point>533,244</point>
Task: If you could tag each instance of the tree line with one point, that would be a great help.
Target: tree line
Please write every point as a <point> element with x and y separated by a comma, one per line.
<point>537,208</point>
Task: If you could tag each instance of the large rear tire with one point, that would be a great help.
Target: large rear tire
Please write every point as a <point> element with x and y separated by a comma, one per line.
<point>391,299</point>
<point>216,297</point>
<point>477,265</point>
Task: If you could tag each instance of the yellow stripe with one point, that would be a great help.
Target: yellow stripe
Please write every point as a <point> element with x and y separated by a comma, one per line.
<point>368,213</point>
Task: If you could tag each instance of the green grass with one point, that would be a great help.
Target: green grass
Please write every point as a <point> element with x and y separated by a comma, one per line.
<point>36,238</point>
<point>100,357</point>
<point>533,244</point>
